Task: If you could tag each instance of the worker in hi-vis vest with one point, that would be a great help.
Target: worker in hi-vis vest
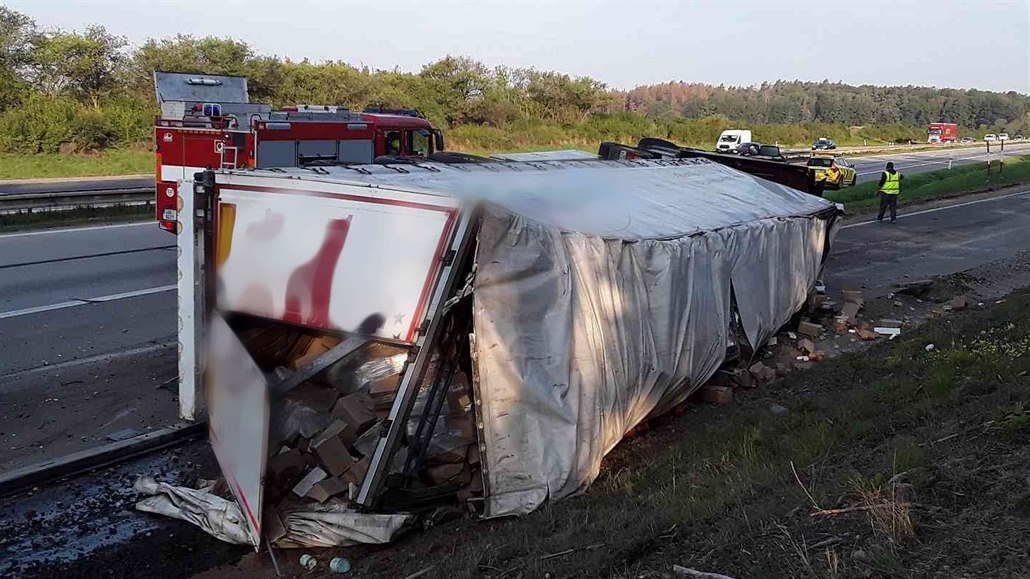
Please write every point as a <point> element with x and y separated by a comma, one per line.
<point>889,188</point>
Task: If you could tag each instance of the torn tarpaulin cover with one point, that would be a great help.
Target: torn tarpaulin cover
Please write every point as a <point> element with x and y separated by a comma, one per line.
<point>307,525</point>
<point>585,327</point>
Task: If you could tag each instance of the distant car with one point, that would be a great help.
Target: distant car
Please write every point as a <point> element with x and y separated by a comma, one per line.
<point>835,172</point>
<point>1019,137</point>
<point>1003,136</point>
<point>990,137</point>
<point>968,140</point>
<point>758,150</point>
<point>823,144</point>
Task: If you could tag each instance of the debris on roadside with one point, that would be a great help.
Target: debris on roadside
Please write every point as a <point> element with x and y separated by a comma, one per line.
<point>308,562</point>
<point>810,329</point>
<point>916,288</point>
<point>890,332</point>
<point>956,303</point>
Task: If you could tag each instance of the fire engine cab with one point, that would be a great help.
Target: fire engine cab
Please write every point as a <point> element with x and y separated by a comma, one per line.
<point>208,122</point>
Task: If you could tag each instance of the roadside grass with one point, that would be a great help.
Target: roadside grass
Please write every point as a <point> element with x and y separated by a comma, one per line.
<point>890,462</point>
<point>108,163</point>
<point>933,184</point>
<point>80,216</point>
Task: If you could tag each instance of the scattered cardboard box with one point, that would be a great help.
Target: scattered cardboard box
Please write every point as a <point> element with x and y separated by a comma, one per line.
<point>304,486</point>
<point>332,452</point>
<point>442,473</point>
<point>324,489</point>
<point>852,297</point>
<point>866,335</point>
<point>957,303</point>
<point>720,395</point>
<point>357,410</point>
<point>806,345</point>
<point>314,349</point>
<point>762,372</point>
<point>810,329</point>
<point>849,311</point>
<point>743,378</point>
<point>285,468</point>
<point>462,426</point>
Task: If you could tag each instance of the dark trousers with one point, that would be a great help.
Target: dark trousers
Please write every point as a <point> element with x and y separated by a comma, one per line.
<point>888,201</point>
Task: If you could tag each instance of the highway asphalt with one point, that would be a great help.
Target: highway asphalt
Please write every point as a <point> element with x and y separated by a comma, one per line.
<point>870,167</point>
<point>87,340</point>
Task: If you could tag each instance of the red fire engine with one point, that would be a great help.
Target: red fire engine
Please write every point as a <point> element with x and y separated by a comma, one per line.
<point>208,122</point>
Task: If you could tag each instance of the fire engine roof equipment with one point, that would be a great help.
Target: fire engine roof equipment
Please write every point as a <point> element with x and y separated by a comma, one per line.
<point>603,294</point>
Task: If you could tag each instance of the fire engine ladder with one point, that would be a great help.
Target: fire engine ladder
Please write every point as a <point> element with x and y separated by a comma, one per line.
<point>228,157</point>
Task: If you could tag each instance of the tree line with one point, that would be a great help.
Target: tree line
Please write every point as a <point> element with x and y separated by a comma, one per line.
<point>84,90</point>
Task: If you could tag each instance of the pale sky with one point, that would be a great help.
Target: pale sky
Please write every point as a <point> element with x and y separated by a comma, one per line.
<point>962,44</point>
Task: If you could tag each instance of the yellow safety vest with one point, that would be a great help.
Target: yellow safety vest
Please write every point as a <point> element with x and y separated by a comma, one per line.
<point>892,186</point>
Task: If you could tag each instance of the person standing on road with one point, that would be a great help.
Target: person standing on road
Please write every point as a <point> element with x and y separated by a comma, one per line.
<point>889,189</point>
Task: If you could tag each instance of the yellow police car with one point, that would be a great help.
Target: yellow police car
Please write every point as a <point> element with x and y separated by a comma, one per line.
<point>833,172</point>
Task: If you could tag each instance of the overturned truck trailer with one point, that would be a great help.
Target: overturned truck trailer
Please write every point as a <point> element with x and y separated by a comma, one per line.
<point>381,337</point>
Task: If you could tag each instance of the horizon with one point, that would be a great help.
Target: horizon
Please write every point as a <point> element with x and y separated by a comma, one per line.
<point>621,65</point>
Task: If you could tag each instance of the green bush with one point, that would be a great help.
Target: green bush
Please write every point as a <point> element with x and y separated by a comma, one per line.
<point>92,130</point>
<point>39,125</point>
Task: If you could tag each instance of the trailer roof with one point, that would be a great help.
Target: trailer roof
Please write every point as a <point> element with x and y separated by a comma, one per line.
<point>620,199</point>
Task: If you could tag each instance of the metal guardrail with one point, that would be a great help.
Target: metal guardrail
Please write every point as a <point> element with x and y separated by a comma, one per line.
<point>64,200</point>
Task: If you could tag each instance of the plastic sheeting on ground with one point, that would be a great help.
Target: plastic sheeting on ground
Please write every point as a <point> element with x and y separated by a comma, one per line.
<point>219,518</point>
<point>308,525</point>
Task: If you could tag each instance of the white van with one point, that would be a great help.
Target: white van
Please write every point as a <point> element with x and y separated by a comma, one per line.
<point>730,138</point>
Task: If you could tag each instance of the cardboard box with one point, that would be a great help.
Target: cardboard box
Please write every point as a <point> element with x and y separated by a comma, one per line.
<point>462,426</point>
<point>810,329</point>
<point>326,488</point>
<point>852,297</point>
<point>285,469</point>
<point>314,349</point>
<point>384,386</point>
<point>357,410</point>
<point>356,474</point>
<point>806,345</point>
<point>319,398</point>
<point>443,473</point>
<point>720,395</point>
<point>458,401</point>
<point>332,455</point>
<point>272,526</point>
<point>315,475</point>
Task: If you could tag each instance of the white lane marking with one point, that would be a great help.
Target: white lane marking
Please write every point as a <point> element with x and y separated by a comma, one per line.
<point>132,294</point>
<point>37,309</point>
<point>75,229</point>
<point>90,360</point>
<point>935,209</point>
<point>85,301</point>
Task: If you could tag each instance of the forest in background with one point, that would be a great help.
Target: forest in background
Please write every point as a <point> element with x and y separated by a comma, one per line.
<point>89,90</point>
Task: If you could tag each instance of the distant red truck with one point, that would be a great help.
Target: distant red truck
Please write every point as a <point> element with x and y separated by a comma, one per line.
<point>942,133</point>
